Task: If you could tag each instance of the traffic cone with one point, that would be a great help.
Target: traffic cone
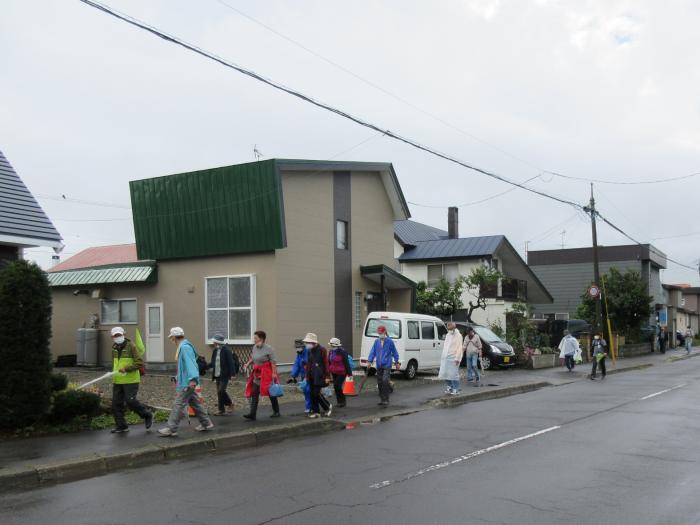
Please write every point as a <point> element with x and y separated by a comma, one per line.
<point>349,387</point>
<point>200,398</point>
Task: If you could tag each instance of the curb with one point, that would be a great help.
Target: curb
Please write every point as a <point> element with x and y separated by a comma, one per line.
<point>626,369</point>
<point>461,399</point>
<point>32,477</point>
<point>681,358</point>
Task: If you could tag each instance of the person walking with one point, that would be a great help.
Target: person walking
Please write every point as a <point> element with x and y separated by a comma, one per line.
<point>688,340</point>
<point>262,375</point>
<point>451,358</point>
<point>567,349</point>
<point>299,371</point>
<point>600,353</point>
<point>474,349</point>
<point>223,366</point>
<point>318,375</point>
<point>663,340</point>
<point>186,381</point>
<point>383,350</point>
<point>126,364</point>
<point>339,368</point>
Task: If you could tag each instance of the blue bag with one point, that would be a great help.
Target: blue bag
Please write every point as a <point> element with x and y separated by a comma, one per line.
<point>351,362</point>
<point>275,390</point>
<point>302,385</point>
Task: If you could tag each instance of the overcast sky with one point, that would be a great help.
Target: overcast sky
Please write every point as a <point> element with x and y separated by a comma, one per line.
<point>594,89</point>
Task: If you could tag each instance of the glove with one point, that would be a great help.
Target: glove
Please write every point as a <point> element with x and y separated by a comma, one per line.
<point>291,380</point>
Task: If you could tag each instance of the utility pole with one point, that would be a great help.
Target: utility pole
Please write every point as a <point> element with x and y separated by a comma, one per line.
<point>596,264</point>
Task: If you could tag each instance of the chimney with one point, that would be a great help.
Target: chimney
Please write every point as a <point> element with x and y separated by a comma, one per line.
<point>453,222</point>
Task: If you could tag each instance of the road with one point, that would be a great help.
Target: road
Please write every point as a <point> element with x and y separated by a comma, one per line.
<point>620,451</point>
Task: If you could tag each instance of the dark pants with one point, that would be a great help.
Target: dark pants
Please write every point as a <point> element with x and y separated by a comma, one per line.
<point>318,401</point>
<point>662,346</point>
<point>273,400</point>
<point>596,364</point>
<point>383,377</point>
<point>569,361</point>
<point>125,396</point>
<point>221,394</point>
<point>338,382</point>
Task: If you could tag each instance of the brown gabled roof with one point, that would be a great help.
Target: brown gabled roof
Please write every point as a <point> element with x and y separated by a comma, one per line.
<point>99,256</point>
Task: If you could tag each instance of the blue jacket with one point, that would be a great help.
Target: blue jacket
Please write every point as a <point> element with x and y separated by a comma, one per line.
<point>299,366</point>
<point>384,355</point>
<point>187,368</point>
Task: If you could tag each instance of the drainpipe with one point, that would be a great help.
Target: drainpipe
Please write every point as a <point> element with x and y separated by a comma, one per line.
<point>381,281</point>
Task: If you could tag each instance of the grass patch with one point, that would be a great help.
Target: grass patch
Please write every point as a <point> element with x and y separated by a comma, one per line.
<point>80,424</point>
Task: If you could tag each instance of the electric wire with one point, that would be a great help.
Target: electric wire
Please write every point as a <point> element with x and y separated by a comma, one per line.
<point>301,96</point>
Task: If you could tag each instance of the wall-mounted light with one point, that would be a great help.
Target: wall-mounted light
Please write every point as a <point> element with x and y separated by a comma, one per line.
<point>78,292</point>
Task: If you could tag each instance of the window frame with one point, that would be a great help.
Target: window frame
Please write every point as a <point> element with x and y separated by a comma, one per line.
<point>120,300</point>
<point>228,309</point>
<point>442,273</point>
<point>430,324</point>
<point>346,224</point>
<point>408,330</point>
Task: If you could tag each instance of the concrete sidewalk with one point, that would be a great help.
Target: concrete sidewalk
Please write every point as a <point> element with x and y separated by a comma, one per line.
<point>34,461</point>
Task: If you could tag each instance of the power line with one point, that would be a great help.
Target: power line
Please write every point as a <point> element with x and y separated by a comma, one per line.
<point>92,220</point>
<point>435,117</point>
<point>63,198</point>
<point>132,21</point>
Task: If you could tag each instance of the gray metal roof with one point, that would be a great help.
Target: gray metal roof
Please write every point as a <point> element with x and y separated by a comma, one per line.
<point>21,216</point>
<point>409,233</point>
<point>453,248</point>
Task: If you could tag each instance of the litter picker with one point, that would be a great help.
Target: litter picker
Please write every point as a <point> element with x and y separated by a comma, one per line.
<point>102,377</point>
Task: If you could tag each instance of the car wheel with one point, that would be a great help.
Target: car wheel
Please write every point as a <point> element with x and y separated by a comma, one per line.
<point>486,363</point>
<point>411,370</point>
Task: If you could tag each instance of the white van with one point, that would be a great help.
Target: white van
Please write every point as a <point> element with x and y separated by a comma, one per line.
<point>418,339</point>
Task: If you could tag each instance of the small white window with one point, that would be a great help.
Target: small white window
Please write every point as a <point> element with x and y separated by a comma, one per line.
<point>230,307</point>
<point>118,311</point>
<point>434,275</point>
<point>341,235</point>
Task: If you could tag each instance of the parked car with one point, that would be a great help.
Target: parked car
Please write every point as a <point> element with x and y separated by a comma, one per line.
<point>418,339</point>
<point>496,352</point>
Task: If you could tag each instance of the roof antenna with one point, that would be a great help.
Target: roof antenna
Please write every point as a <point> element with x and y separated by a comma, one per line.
<point>257,152</point>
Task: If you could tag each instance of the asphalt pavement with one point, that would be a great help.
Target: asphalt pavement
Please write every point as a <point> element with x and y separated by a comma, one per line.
<point>619,451</point>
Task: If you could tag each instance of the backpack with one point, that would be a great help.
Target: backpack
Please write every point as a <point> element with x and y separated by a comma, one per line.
<point>201,364</point>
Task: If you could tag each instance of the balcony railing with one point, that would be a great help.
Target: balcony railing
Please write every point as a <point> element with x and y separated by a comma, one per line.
<point>511,290</point>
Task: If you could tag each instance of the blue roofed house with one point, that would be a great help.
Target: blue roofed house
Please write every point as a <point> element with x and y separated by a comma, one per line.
<point>428,254</point>
<point>23,224</point>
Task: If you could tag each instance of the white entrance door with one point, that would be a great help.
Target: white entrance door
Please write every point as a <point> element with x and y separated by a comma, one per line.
<point>154,333</point>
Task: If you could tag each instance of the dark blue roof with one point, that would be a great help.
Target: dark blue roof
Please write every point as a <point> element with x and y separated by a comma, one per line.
<point>409,233</point>
<point>453,248</point>
<point>20,214</point>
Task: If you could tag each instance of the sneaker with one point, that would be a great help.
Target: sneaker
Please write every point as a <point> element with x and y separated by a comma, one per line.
<point>307,412</point>
<point>202,428</point>
<point>592,378</point>
<point>275,414</point>
<point>166,432</point>
<point>313,415</point>
<point>118,430</point>
<point>148,420</point>
<point>341,405</point>
<point>229,409</point>
<point>384,404</point>
<point>330,410</point>
<point>220,413</point>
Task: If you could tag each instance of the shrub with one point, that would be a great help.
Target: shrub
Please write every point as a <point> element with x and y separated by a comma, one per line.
<point>58,382</point>
<point>70,404</point>
<point>25,330</point>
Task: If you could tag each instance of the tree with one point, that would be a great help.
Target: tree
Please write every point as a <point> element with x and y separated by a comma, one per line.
<point>25,330</point>
<point>443,300</point>
<point>478,281</point>
<point>629,304</point>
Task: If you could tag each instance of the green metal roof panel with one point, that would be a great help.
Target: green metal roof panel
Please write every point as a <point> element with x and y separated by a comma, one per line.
<point>104,275</point>
<point>219,211</point>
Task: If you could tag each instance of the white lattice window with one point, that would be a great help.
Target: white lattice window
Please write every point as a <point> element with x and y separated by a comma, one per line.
<point>230,308</point>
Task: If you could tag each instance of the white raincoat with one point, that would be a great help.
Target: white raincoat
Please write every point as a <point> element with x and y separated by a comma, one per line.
<point>451,356</point>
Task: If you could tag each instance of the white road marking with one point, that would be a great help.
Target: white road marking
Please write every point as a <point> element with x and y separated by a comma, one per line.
<point>661,392</point>
<point>459,459</point>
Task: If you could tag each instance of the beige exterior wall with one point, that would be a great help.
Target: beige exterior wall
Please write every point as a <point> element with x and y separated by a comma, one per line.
<point>305,280</point>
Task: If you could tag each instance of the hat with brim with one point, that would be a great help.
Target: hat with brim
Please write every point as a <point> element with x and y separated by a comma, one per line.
<point>218,338</point>
<point>335,342</point>
<point>311,338</point>
<point>176,331</point>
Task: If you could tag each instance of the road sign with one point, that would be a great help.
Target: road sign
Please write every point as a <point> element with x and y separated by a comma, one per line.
<point>594,291</point>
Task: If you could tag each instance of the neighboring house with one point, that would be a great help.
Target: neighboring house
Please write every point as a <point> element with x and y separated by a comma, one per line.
<point>690,306</point>
<point>429,254</point>
<point>23,224</point>
<point>676,315</point>
<point>286,246</point>
<point>568,272</point>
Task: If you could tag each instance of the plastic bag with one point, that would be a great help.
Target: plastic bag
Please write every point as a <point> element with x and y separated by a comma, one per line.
<point>275,390</point>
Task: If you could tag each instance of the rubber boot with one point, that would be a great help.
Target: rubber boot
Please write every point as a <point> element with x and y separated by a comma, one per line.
<point>253,408</point>
<point>275,407</point>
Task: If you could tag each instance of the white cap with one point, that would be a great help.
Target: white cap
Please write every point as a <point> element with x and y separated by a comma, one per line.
<point>117,330</point>
<point>335,342</point>
<point>176,331</point>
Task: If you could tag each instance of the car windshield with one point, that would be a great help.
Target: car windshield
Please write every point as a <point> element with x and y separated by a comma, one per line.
<point>487,335</point>
<point>393,327</point>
